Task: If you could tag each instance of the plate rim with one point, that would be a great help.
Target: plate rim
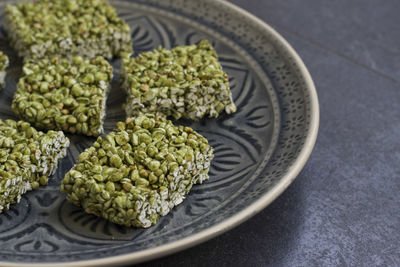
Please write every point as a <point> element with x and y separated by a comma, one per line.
<point>249,211</point>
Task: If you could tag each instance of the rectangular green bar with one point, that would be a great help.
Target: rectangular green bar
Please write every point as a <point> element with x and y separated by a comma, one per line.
<point>138,172</point>
<point>63,94</point>
<point>27,158</point>
<point>3,65</point>
<point>48,28</point>
<point>184,82</point>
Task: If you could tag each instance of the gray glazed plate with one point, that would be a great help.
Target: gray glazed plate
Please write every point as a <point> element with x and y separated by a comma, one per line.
<point>258,151</point>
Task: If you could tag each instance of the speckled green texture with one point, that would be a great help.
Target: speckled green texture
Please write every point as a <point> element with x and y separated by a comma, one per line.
<point>27,158</point>
<point>138,172</point>
<point>3,65</point>
<point>48,28</point>
<point>62,94</point>
<point>3,61</point>
<point>184,82</point>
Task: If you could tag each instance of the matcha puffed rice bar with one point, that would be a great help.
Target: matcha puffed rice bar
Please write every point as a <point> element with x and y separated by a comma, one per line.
<point>184,82</point>
<point>3,65</point>
<point>139,171</point>
<point>27,158</point>
<point>63,94</point>
<point>48,28</point>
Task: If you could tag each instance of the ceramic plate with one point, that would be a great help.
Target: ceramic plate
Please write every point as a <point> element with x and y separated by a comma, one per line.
<point>258,151</point>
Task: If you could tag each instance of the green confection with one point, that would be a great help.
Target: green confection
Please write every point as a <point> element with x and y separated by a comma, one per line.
<point>63,94</point>
<point>184,82</point>
<point>28,157</point>
<point>3,65</point>
<point>139,171</point>
<point>48,28</point>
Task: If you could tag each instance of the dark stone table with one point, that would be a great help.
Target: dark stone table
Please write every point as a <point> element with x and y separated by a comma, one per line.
<point>344,207</point>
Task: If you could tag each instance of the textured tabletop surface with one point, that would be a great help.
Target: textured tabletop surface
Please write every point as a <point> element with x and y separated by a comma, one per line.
<point>344,207</point>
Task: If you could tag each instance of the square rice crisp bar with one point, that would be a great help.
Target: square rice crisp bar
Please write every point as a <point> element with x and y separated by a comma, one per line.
<point>48,28</point>
<point>184,82</point>
<point>139,171</point>
<point>27,158</point>
<point>63,94</point>
<point>4,62</point>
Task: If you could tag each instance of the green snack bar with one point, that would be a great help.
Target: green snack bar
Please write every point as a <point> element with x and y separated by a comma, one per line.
<point>3,65</point>
<point>63,94</point>
<point>28,157</point>
<point>139,171</point>
<point>184,82</point>
<point>48,28</point>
